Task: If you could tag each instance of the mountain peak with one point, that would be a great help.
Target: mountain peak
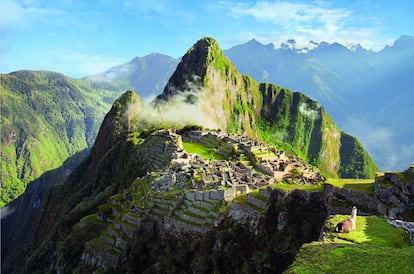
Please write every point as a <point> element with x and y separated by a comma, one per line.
<point>404,41</point>
<point>192,69</point>
<point>206,42</point>
<point>254,43</point>
<point>116,123</point>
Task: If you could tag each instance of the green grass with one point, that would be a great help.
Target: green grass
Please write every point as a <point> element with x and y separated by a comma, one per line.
<point>370,230</point>
<point>202,150</point>
<point>286,187</point>
<point>242,199</point>
<point>91,219</point>
<point>319,257</point>
<point>361,185</point>
<point>256,194</point>
<point>52,117</point>
<point>375,247</point>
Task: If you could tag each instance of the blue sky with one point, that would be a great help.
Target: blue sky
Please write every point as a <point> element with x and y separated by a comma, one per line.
<point>82,37</point>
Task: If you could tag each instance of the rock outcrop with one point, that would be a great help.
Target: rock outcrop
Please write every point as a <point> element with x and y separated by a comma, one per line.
<point>396,190</point>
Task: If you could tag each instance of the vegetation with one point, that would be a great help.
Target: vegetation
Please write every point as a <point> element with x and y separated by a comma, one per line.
<point>46,118</point>
<point>120,155</point>
<point>202,150</point>
<point>355,161</point>
<point>375,247</point>
<point>287,186</point>
<point>361,185</point>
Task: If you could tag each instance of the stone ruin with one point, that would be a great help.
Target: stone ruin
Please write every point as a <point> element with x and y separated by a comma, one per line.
<point>190,171</point>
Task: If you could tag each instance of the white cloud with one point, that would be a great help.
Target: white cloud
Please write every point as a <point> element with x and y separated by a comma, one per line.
<point>287,14</point>
<point>303,22</point>
<point>16,14</point>
<point>309,112</point>
<point>76,63</point>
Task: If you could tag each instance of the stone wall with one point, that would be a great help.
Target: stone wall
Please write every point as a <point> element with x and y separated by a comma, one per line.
<point>396,190</point>
<point>340,201</point>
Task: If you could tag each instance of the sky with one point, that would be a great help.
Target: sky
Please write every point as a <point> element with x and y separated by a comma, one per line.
<point>84,37</point>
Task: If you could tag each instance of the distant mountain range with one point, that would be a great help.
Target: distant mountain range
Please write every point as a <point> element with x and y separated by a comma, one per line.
<point>369,94</point>
<point>146,75</point>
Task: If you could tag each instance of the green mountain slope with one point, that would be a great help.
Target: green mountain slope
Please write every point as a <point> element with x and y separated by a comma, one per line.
<point>345,81</point>
<point>46,117</point>
<point>106,171</point>
<point>239,104</point>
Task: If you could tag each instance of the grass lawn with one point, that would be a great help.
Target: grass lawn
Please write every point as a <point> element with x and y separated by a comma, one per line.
<point>287,186</point>
<point>375,247</point>
<point>202,150</point>
<point>361,185</point>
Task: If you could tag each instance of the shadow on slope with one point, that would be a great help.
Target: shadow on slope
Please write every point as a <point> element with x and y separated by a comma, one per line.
<point>15,227</point>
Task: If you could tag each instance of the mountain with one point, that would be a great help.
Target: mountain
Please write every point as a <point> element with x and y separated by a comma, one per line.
<point>99,175</point>
<point>239,104</point>
<point>156,194</point>
<point>367,93</point>
<point>146,75</point>
<point>46,117</point>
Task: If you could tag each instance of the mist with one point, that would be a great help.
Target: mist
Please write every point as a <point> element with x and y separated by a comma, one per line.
<point>6,211</point>
<point>308,112</point>
<point>186,107</point>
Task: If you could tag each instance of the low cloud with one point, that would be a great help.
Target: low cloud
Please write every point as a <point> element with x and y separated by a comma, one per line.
<point>186,107</point>
<point>308,112</point>
<point>382,144</point>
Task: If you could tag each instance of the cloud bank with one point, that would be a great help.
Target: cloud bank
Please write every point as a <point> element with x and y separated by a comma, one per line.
<point>303,22</point>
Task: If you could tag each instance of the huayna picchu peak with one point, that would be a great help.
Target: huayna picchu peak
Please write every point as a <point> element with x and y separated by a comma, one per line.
<point>219,173</point>
<point>290,120</point>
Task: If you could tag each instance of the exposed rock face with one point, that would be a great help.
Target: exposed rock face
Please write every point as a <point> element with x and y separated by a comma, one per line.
<point>396,190</point>
<point>339,201</point>
<point>408,226</point>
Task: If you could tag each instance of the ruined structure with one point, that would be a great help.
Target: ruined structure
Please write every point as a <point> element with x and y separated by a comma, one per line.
<point>191,194</point>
